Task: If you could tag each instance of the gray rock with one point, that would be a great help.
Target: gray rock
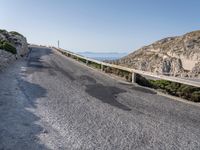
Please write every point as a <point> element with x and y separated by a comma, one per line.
<point>196,69</point>
<point>18,41</point>
<point>6,58</point>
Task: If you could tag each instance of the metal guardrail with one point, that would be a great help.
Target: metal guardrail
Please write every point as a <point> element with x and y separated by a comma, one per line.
<point>132,71</point>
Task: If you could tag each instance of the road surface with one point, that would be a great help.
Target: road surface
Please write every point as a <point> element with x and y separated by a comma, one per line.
<point>48,101</point>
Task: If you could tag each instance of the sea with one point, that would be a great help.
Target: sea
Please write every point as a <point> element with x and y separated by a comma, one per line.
<point>103,56</point>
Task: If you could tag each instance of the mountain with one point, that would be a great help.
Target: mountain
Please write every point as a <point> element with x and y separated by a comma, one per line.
<point>177,56</point>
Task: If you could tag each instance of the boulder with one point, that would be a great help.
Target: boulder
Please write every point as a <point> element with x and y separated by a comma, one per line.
<point>17,41</point>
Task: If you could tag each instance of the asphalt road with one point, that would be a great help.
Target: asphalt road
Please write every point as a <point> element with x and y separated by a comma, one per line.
<point>48,101</point>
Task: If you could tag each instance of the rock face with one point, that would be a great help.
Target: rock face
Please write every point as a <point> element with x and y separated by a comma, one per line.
<point>6,58</point>
<point>16,40</point>
<point>177,56</point>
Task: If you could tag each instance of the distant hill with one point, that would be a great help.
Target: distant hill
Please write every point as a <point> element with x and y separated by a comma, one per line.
<point>178,56</point>
<point>103,56</point>
<point>114,53</point>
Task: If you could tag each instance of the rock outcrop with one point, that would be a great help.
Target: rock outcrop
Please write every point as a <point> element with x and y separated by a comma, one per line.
<point>15,40</point>
<point>6,58</point>
<point>177,56</point>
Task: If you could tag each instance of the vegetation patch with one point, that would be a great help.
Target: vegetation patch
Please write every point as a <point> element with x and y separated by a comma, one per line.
<point>2,31</point>
<point>176,89</point>
<point>4,45</point>
<point>94,65</point>
<point>15,33</point>
<point>82,60</point>
<point>121,73</point>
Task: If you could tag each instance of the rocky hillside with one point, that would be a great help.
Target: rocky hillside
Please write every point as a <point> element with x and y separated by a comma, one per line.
<point>12,46</point>
<point>177,56</point>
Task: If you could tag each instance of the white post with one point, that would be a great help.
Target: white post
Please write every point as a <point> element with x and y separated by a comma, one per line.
<point>86,62</point>
<point>133,77</point>
<point>101,67</point>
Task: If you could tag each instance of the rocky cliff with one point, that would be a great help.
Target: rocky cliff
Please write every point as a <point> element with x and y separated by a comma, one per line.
<point>177,56</point>
<point>12,46</point>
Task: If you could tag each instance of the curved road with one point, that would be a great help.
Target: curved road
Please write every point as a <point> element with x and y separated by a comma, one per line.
<point>48,101</point>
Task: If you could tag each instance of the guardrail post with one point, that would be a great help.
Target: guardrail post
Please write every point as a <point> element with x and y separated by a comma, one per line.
<point>101,67</point>
<point>133,77</point>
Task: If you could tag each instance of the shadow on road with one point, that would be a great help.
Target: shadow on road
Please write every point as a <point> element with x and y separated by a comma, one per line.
<point>139,88</point>
<point>18,126</point>
<point>31,91</point>
<point>35,63</point>
<point>107,94</point>
<point>68,74</point>
<point>144,90</point>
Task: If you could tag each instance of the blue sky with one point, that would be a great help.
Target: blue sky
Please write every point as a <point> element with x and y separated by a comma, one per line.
<point>99,25</point>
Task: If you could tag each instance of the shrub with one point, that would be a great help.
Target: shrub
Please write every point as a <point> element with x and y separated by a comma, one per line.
<point>172,88</point>
<point>82,60</point>
<point>2,41</point>
<point>2,31</point>
<point>195,97</point>
<point>160,83</point>
<point>8,47</point>
<point>177,89</point>
<point>143,81</point>
<point>185,91</point>
<point>95,65</point>
<point>128,77</point>
<point>15,33</point>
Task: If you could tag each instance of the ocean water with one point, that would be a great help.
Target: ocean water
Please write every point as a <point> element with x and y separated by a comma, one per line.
<point>103,56</point>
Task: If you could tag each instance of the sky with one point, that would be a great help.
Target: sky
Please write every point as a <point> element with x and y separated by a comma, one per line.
<point>99,25</point>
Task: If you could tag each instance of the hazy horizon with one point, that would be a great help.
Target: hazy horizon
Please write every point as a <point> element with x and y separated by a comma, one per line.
<point>99,26</point>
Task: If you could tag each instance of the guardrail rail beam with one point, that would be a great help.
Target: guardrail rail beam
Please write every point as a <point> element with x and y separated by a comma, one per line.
<point>132,71</point>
